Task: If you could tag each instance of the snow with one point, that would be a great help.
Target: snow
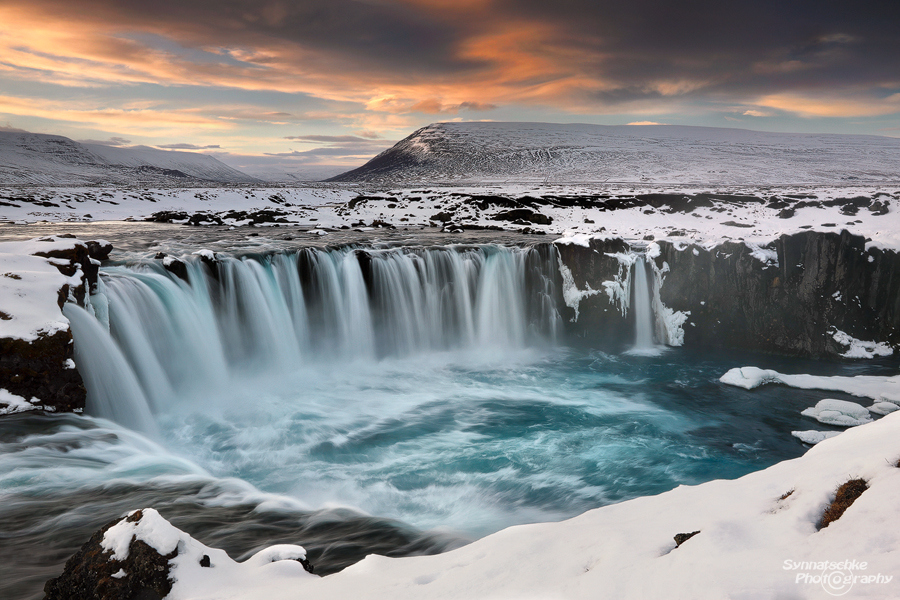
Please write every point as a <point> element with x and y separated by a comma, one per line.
<point>661,154</point>
<point>767,256</point>
<point>572,296</point>
<point>883,408</point>
<point>578,239</point>
<point>11,403</point>
<point>838,412</point>
<point>29,287</point>
<point>32,158</point>
<point>880,388</point>
<point>151,528</point>
<point>813,437</point>
<point>860,349</point>
<point>274,569</point>
<point>758,539</point>
<point>276,553</point>
<point>207,254</point>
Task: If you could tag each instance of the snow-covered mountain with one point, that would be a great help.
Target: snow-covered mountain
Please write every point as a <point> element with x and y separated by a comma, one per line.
<point>484,152</point>
<point>39,159</point>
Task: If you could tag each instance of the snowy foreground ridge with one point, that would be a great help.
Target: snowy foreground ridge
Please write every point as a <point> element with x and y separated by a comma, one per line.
<point>757,538</point>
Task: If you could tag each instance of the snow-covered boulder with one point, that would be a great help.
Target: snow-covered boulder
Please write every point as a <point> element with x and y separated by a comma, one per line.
<point>144,556</point>
<point>838,412</point>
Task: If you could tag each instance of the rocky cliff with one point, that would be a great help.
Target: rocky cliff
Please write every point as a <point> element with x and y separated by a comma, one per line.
<point>41,370</point>
<point>808,294</point>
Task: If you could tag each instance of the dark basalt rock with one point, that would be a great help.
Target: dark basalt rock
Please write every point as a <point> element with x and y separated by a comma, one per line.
<point>599,318</point>
<point>681,538</point>
<point>177,267</point>
<point>89,574</point>
<point>525,215</point>
<point>823,282</point>
<point>38,370</point>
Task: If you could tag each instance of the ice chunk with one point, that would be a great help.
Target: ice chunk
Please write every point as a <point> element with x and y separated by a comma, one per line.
<point>883,408</point>
<point>859,348</point>
<point>749,377</point>
<point>838,412</point>
<point>813,437</point>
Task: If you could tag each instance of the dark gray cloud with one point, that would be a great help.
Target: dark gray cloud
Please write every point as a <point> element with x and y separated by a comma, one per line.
<point>765,46</point>
<point>389,36</point>
<point>640,49</point>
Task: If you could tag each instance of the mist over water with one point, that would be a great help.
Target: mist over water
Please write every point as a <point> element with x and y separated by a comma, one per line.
<point>360,400</point>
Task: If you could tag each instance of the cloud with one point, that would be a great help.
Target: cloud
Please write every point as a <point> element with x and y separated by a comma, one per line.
<point>645,123</point>
<point>752,112</point>
<point>113,141</point>
<point>333,139</point>
<point>390,63</point>
<point>820,105</point>
<point>11,129</point>
<point>185,146</point>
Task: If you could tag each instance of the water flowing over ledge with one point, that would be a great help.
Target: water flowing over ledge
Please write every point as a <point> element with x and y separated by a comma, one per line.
<point>156,336</point>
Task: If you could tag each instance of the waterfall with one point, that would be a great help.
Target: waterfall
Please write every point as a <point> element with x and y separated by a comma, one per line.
<point>170,340</point>
<point>643,312</point>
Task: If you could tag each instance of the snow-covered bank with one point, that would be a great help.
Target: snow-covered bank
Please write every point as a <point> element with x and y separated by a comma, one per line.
<point>882,389</point>
<point>30,282</point>
<point>758,538</point>
<point>36,277</point>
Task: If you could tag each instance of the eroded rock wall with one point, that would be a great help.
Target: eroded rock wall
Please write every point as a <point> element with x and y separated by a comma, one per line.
<point>790,298</point>
<point>42,370</point>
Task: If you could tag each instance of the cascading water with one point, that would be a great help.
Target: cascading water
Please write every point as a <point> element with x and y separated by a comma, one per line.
<point>170,339</point>
<point>644,324</point>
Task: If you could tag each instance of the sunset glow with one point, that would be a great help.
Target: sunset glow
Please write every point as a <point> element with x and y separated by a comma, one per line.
<point>250,77</point>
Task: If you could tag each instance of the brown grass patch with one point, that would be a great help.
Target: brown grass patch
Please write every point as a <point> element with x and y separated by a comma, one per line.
<point>786,495</point>
<point>843,498</point>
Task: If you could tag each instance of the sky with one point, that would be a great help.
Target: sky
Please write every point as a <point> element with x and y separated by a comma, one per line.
<point>322,84</point>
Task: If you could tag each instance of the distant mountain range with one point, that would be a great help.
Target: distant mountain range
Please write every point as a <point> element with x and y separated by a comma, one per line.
<point>486,152</point>
<point>39,159</point>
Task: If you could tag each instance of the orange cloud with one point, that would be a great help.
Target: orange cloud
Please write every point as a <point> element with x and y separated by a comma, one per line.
<point>807,106</point>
